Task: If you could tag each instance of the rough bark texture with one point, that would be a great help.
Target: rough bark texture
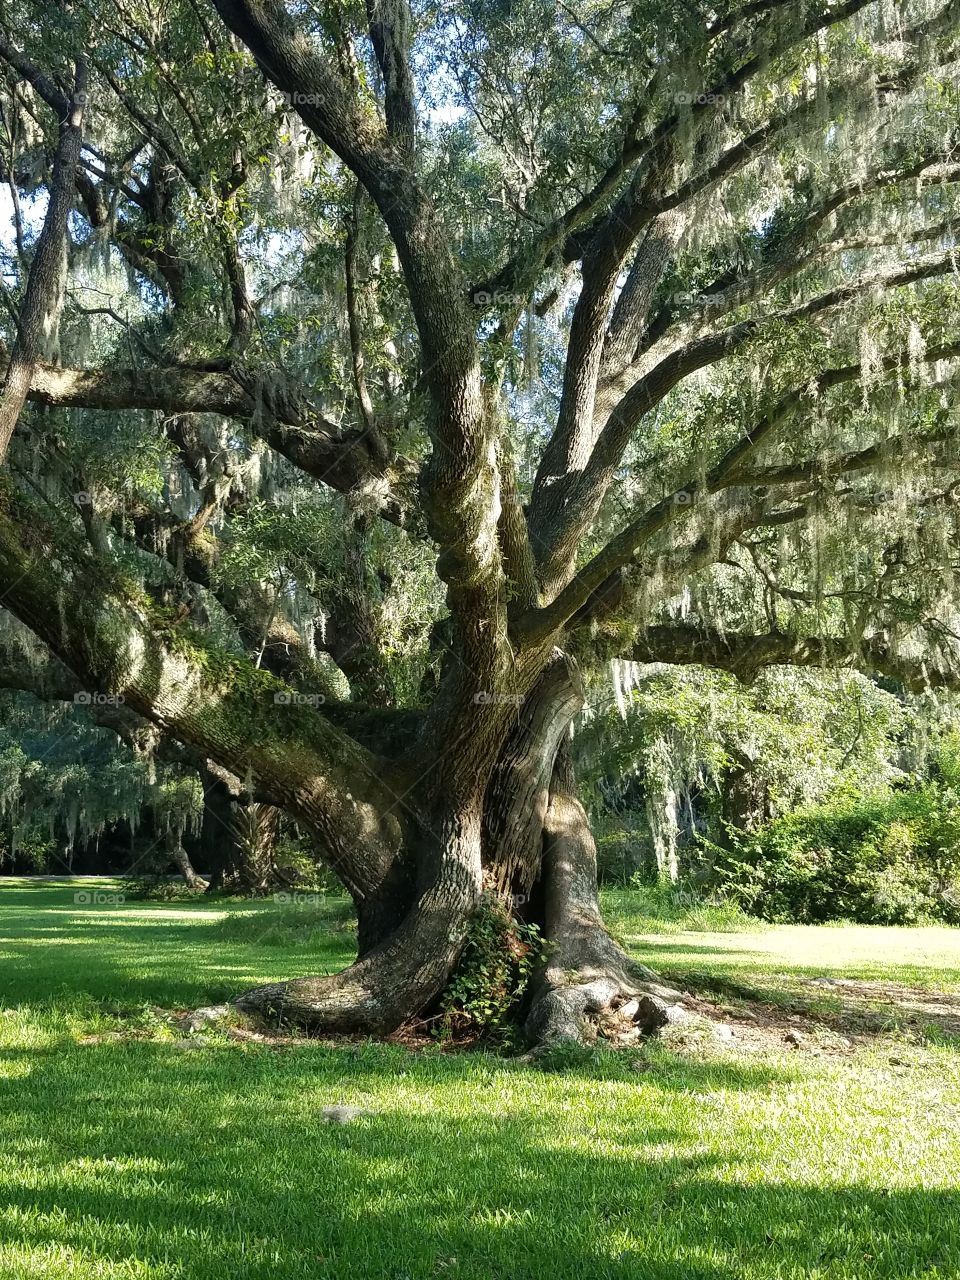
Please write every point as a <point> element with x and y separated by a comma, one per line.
<point>396,979</point>
<point>519,792</point>
<point>39,316</point>
<point>536,849</point>
<point>586,974</point>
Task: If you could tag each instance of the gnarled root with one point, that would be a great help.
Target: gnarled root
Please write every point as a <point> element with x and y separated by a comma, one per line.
<point>392,982</point>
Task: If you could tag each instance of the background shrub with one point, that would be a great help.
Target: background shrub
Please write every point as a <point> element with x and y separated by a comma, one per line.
<point>891,858</point>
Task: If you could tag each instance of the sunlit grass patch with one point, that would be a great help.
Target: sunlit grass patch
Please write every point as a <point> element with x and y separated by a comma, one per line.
<point>132,1154</point>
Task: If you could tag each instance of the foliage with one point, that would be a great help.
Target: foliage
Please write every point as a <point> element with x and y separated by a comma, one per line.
<point>657,753</point>
<point>891,858</point>
<point>254,828</point>
<point>487,990</point>
<point>665,908</point>
<point>64,783</point>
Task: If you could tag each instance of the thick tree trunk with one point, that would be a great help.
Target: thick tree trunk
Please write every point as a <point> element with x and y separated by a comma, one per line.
<point>529,842</point>
<point>397,978</point>
<point>181,860</point>
<point>519,791</point>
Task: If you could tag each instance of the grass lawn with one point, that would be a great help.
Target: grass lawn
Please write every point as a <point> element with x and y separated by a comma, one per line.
<point>124,1152</point>
<point>770,958</point>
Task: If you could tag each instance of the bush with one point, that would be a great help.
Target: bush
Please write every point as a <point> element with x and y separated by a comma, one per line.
<point>893,858</point>
<point>489,986</point>
<point>624,847</point>
<point>661,907</point>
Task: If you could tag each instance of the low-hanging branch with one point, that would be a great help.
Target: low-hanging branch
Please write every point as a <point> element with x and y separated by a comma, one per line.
<point>746,654</point>
<point>247,720</point>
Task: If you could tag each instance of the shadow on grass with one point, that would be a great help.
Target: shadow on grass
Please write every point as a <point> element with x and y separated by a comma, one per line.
<point>215,1164</point>
<point>862,1010</point>
<point>164,962</point>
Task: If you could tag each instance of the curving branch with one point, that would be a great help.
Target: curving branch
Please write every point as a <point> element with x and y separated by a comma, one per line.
<point>799,251</point>
<point>391,25</point>
<point>536,624</point>
<point>561,536</point>
<point>460,483</point>
<point>246,720</point>
<point>580,228</point>
<point>344,459</point>
<point>745,655</point>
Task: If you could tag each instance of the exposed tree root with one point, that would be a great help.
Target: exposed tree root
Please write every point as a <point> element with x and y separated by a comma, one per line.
<point>393,982</point>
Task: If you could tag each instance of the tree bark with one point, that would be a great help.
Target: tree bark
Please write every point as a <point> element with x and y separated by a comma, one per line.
<point>397,978</point>
<point>39,317</point>
<point>586,974</point>
<point>519,792</point>
<point>530,842</point>
<point>181,860</point>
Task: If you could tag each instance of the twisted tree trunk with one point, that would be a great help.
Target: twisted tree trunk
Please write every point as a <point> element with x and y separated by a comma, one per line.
<point>181,860</point>
<point>524,837</point>
<point>587,975</point>
<point>396,978</point>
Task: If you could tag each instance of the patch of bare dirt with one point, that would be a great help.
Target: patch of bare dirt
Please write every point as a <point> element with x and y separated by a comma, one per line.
<point>838,1016</point>
<point>871,1006</point>
<point>820,1016</point>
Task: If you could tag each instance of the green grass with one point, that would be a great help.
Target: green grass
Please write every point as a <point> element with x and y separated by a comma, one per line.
<point>177,954</point>
<point>771,958</point>
<point>137,1157</point>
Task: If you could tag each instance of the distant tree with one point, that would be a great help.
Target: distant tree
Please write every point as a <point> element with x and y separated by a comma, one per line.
<point>620,330</point>
<point>669,753</point>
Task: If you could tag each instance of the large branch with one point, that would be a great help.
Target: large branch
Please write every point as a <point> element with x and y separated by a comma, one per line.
<point>391,27</point>
<point>746,654</point>
<point>342,459</point>
<point>562,508</point>
<point>624,363</point>
<point>56,98</point>
<point>48,680</point>
<point>561,536</point>
<point>574,229</point>
<point>460,482</point>
<point>39,316</point>
<point>244,719</point>
<point>536,624</point>
<point>710,349</point>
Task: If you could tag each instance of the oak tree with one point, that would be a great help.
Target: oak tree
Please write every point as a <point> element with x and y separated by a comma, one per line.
<point>506,336</point>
